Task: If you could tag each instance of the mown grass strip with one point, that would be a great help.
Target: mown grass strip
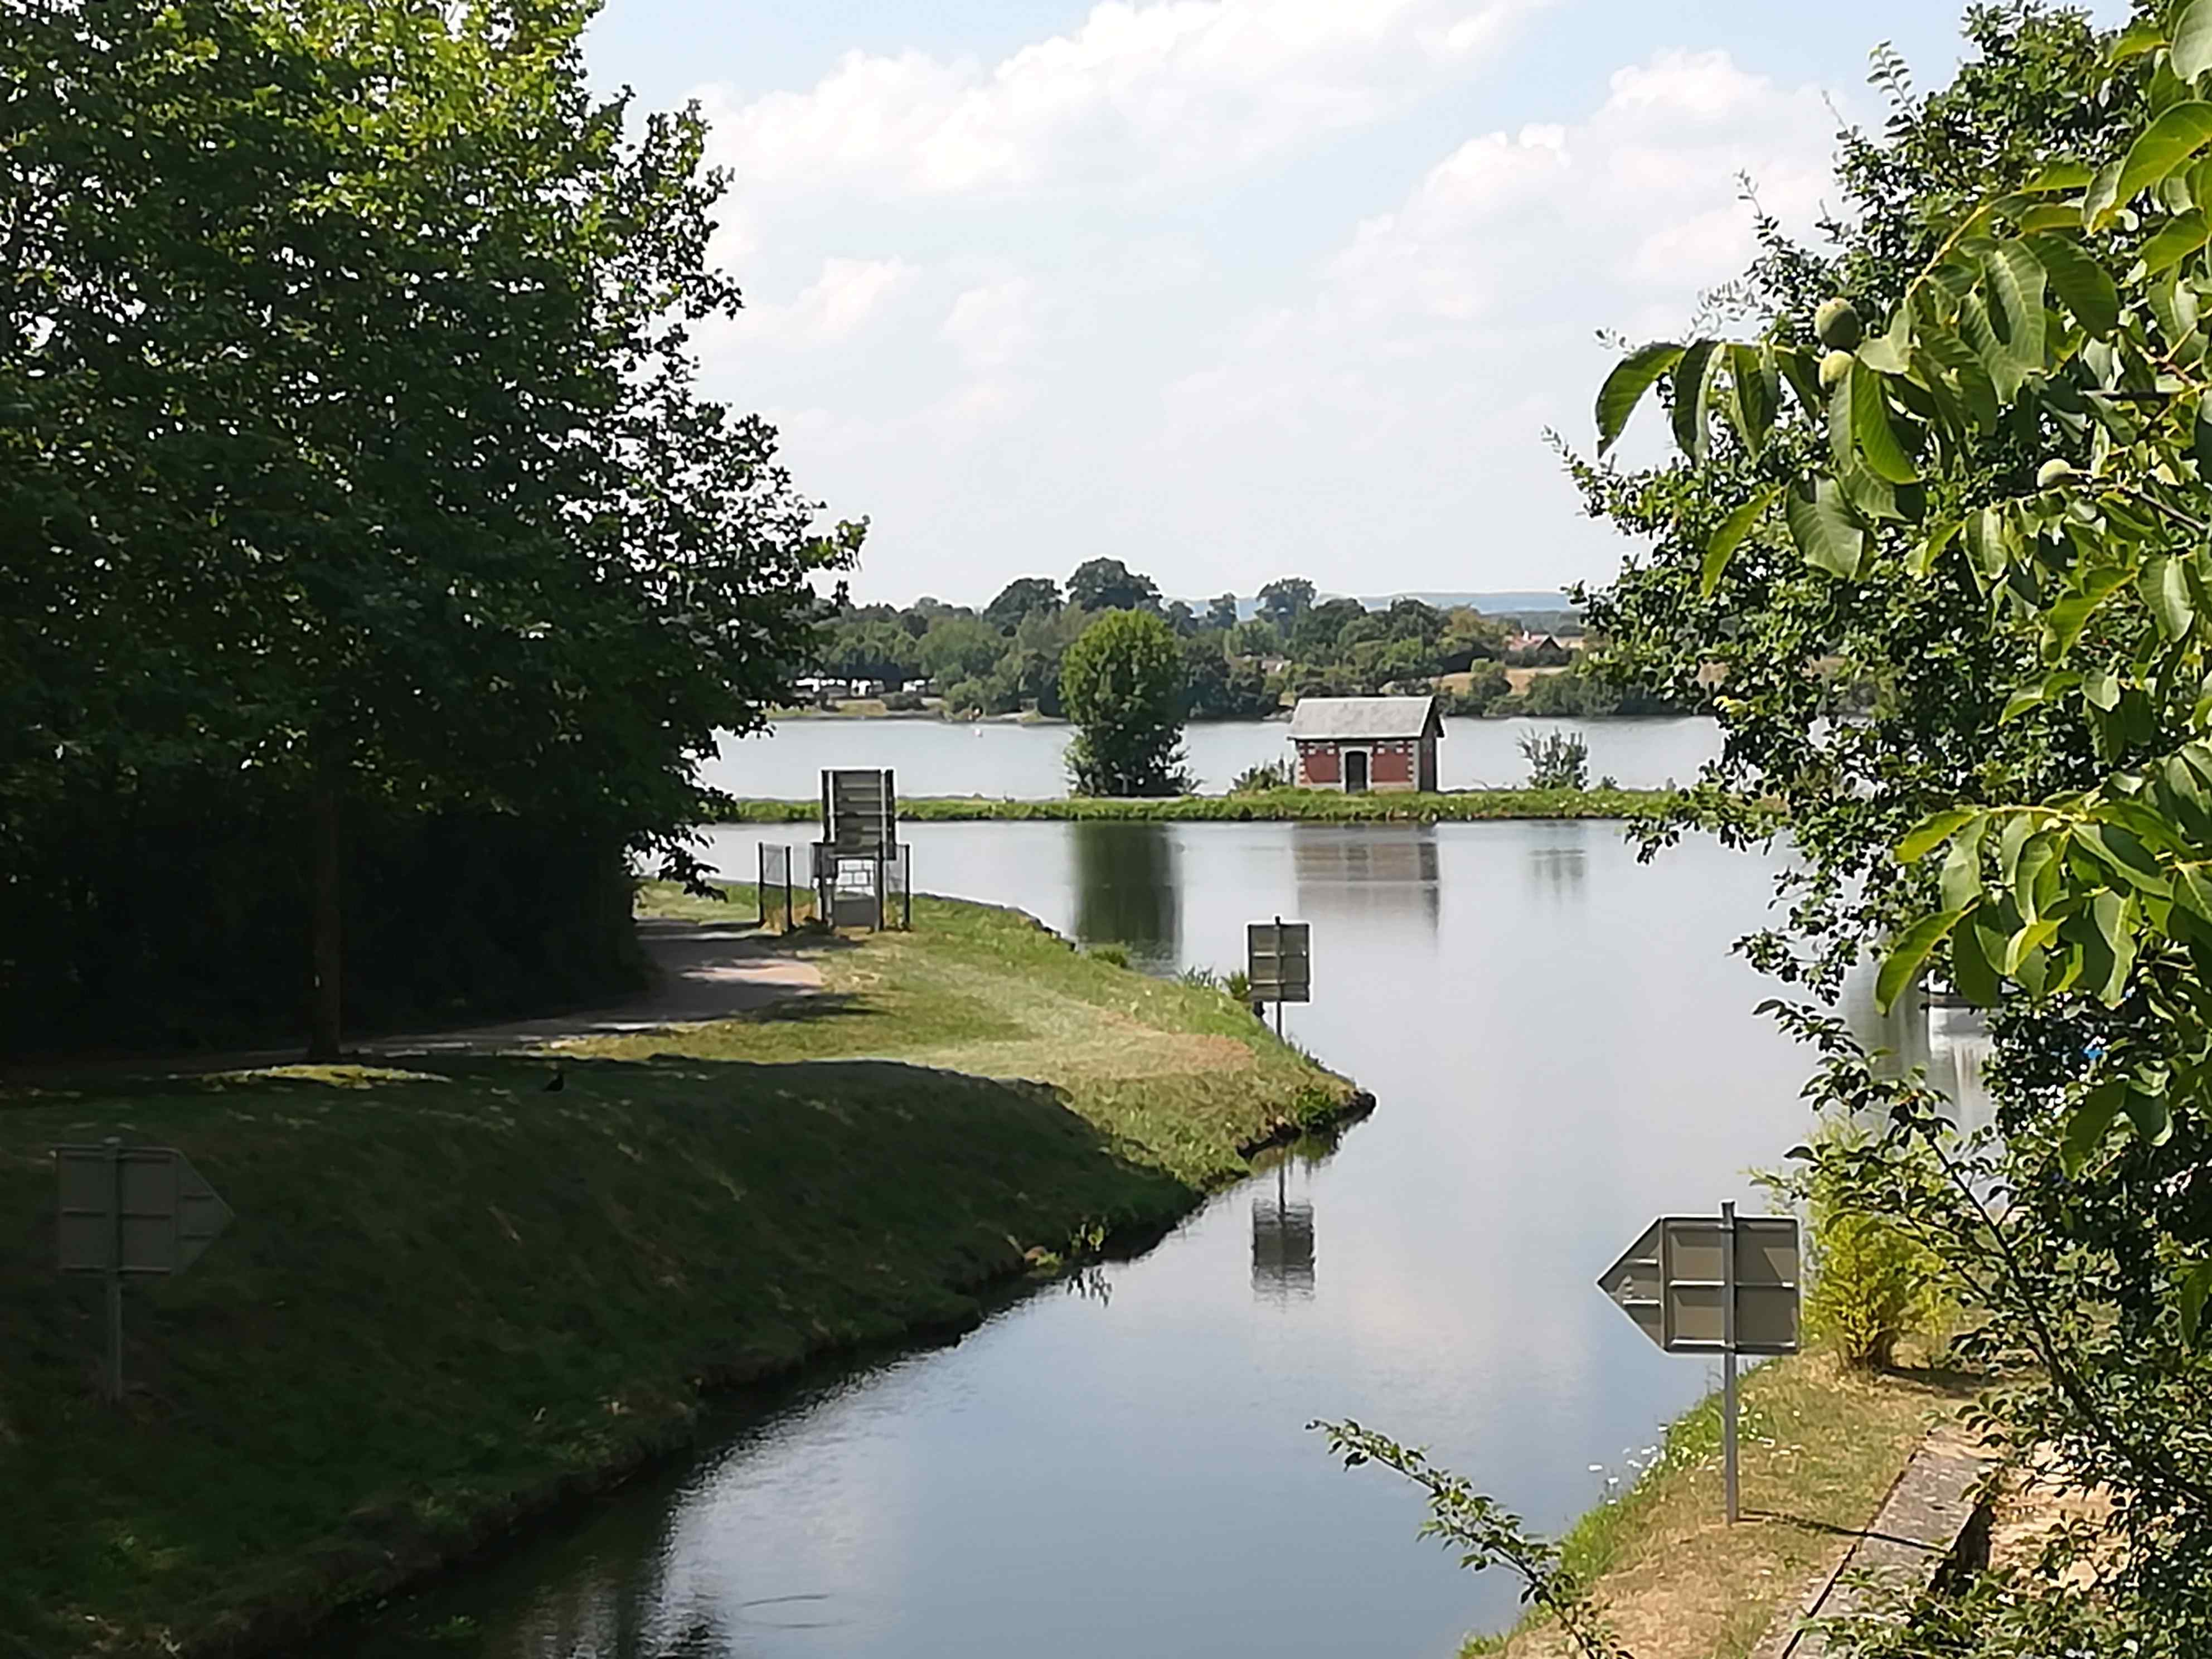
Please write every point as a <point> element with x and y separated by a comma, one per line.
<point>1821,1447</point>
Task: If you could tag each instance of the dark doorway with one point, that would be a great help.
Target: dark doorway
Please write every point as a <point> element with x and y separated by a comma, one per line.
<point>1355,771</point>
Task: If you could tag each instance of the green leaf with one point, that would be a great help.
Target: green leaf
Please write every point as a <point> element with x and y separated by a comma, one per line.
<point>1631,377</point>
<point>1754,394</point>
<point>2017,279</point>
<point>1693,387</point>
<point>2176,239</point>
<point>2192,888</point>
<point>1932,831</point>
<point>2059,175</point>
<point>2192,40</point>
<point>2103,195</point>
<point>2064,622</point>
<point>1730,535</point>
<point>1824,530</point>
<point>2194,1286</point>
<point>2152,1118</point>
<point>2164,145</point>
<point>1870,426</point>
<point>1924,557</point>
<point>2084,286</point>
<point>2140,38</point>
<point>1961,880</point>
<point>2090,1122</point>
<point>2101,687</point>
<point>2164,584</point>
<point>1909,954</point>
<point>2028,941</point>
<point>1973,970</point>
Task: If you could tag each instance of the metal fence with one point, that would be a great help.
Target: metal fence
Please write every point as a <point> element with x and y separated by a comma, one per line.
<point>775,887</point>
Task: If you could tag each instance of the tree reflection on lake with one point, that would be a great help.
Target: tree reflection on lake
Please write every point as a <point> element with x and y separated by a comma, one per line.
<point>1126,885</point>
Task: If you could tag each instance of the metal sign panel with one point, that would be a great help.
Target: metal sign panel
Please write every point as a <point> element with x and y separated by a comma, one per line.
<point>1673,1284</point>
<point>1279,960</point>
<point>860,811</point>
<point>138,1210</point>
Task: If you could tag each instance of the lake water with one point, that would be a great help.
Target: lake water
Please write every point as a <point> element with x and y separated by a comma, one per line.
<point>1561,1046</point>
<point>932,757</point>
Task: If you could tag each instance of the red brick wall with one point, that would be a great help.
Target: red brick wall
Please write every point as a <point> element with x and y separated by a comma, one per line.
<point>1317,763</point>
<point>1390,762</point>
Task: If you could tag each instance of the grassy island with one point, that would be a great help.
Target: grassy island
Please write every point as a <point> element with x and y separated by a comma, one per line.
<point>1261,806</point>
<point>453,1298</point>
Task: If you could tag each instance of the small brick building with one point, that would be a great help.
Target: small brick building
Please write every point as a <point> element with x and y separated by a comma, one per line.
<point>1359,743</point>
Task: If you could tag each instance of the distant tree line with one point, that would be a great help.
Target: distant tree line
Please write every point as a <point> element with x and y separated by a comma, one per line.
<point>1008,656</point>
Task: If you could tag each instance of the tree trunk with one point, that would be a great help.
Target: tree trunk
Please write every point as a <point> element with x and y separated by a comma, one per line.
<point>326,917</point>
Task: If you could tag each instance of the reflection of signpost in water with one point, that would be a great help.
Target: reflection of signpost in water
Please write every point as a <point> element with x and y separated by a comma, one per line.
<point>1278,963</point>
<point>130,1210</point>
<point>1282,1239</point>
<point>1701,1283</point>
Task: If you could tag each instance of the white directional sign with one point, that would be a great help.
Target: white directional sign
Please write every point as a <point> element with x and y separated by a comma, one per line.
<point>1279,960</point>
<point>129,1211</point>
<point>136,1210</point>
<point>1706,1284</point>
<point>1672,1283</point>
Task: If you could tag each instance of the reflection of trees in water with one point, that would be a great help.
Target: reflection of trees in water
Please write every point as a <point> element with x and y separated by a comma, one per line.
<point>1952,1044</point>
<point>1282,1243</point>
<point>1127,889</point>
<point>1366,869</point>
<point>1559,867</point>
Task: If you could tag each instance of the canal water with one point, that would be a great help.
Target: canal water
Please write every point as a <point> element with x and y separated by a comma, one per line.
<point>1561,1046</point>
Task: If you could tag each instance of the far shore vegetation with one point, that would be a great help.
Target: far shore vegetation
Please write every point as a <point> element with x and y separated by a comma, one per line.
<point>453,1298</point>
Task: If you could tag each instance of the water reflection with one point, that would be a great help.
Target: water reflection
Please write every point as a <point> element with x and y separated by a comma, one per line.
<point>1366,872</point>
<point>1282,1242</point>
<point>1950,1043</point>
<point>1127,888</point>
<point>1559,870</point>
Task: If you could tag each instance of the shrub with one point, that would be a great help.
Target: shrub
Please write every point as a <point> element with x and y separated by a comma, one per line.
<point>1268,775</point>
<point>1113,955</point>
<point>1556,760</point>
<point>1872,1284</point>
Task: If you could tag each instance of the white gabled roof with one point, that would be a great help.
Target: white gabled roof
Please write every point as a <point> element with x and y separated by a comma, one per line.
<point>1361,717</point>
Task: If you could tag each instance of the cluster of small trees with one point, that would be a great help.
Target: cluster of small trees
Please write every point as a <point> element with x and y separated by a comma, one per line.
<point>1007,656</point>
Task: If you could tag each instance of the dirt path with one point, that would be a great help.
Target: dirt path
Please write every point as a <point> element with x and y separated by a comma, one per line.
<point>702,971</point>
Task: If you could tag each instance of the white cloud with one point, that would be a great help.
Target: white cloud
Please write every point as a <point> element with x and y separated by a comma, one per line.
<point>840,303</point>
<point>1177,91</point>
<point>993,325</point>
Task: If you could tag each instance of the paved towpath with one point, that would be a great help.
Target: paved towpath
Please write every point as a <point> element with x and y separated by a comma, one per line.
<point>702,970</point>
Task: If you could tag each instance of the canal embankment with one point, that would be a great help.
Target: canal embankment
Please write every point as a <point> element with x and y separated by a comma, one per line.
<point>1822,1446</point>
<point>464,1289</point>
<point>1257,806</point>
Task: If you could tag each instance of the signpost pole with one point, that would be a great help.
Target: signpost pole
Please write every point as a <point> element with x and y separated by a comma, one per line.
<point>1728,1358</point>
<point>112,1383</point>
<point>1278,1001</point>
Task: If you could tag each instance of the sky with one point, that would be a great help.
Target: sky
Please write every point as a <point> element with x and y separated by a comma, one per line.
<point>1233,289</point>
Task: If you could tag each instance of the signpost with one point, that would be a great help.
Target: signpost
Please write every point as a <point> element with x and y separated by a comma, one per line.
<point>1724,1284</point>
<point>860,842</point>
<point>1278,963</point>
<point>122,1211</point>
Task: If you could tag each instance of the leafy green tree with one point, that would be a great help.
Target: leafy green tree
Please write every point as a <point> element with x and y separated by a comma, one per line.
<point>1284,601</point>
<point>1122,686</point>
<point>1109,585</point>
<point>1254,637</point>
<point>1221,612</point>
<point>1977,484</point>
<point>355,459</point>
<point>960,647</point>
<point>1021,598</point>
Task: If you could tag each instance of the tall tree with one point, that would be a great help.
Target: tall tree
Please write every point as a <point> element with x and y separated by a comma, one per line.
<point>1121,684</point>
<point>401,492</point>
<point>1020,598</point>
<point>1283,602</point>
<point>1109,585</point>
<point>1221,612</point>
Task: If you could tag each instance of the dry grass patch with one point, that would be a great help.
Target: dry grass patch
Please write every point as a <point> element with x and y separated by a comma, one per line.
<point>1821,1448</point>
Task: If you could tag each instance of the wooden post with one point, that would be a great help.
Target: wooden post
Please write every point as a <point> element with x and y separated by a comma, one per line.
<point>1728,1359</point>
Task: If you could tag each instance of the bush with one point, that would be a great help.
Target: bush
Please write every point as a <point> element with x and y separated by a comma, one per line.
<point>1268,775</point>
<point>1872,1284</point>
<point>1113,955</point>
<point>1556,760</point>
<point>901,702</point>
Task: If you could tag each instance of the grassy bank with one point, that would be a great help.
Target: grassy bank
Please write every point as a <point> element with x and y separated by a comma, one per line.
<point>1272,805</point>
<point>451,1297</point>
<point>1820,1448</point>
